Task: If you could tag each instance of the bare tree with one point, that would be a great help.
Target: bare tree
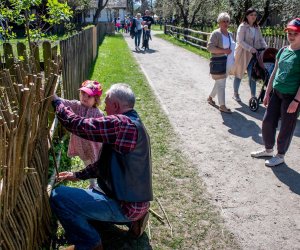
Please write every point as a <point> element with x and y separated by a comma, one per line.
<point>100,6</point>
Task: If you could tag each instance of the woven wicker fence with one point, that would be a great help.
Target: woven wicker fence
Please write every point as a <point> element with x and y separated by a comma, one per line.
<point>26,87</point>
<point>24,103</point>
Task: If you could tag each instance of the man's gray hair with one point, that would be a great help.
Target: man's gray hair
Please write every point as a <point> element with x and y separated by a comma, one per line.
<point>224,16</point>
<point>123,93</point>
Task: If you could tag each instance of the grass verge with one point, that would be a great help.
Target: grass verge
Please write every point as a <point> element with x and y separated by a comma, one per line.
<point>195,223</point>
<point>189,47</point>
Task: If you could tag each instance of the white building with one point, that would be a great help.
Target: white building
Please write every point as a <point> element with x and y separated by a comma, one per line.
<point>113,9</point>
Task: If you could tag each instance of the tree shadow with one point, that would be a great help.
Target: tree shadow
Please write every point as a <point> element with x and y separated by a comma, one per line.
<point>240,126</point>
<point>116,237</point>
<point>288,176</point>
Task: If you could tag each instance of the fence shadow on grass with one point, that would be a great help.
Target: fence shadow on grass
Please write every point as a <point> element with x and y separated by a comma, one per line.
<point>240,126</point>
<point>288,176</point>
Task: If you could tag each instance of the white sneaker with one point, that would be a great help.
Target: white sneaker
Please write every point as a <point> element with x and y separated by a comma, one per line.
<point>262,153</point>
<point>274,161</point>
<point>237,98</point>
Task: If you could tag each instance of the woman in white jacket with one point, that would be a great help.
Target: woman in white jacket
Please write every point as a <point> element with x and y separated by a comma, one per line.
<point>249,39</point>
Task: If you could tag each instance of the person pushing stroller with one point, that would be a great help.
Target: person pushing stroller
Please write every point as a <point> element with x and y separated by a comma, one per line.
<point>146,37</point>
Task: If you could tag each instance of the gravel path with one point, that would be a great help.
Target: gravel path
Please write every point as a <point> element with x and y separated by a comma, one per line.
<point>261,205</point>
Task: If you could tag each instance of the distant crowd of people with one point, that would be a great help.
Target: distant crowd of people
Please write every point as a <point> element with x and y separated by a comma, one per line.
<point>139,28</point>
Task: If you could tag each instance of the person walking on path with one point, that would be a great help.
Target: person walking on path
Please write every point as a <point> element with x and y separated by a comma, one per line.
<point>88,151</point>
<point>284,102</point>
<point>136,31</point>
<point>249,40</point>
<point>123,170</point>
<point>221,44</point>
<point>148,20</point>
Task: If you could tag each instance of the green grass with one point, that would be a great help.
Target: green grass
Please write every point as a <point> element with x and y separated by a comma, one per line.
<point>191,48</point>
<point>157,27</point>
<point>195,222</point>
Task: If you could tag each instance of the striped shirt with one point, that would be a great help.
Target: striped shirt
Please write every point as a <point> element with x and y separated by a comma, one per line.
<point>117,130</point>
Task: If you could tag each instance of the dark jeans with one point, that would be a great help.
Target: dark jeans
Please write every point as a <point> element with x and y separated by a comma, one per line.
<point>137,38</point>
<point>277,109</point>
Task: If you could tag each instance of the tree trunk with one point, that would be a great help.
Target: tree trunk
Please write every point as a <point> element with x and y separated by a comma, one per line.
<point>101,6</point>
<point>266,13</point>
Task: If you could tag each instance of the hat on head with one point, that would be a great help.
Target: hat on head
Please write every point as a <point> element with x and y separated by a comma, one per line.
<point>293,25</point>
<point>92,88</point>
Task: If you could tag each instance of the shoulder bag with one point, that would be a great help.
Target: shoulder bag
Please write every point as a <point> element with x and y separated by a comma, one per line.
<point>217,65</point>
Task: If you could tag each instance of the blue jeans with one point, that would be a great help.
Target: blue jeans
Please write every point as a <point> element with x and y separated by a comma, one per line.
<point>252,83</point>
<point>137,38</point>
<point>74,207</point>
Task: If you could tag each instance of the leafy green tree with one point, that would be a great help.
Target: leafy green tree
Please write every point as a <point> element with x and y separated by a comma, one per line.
<point>37,16</point>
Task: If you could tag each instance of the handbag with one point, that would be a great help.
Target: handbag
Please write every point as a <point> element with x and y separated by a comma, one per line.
<point>217,65</point>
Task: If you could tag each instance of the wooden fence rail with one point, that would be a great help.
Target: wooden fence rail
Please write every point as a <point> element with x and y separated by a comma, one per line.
<point>78,53</point>
<point>199,39</point>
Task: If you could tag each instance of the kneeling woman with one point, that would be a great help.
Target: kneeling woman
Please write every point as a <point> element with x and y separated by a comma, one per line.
<point>221,44</point>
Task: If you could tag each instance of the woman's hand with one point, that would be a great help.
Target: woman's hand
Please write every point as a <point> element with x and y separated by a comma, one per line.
<point>227,51</point>
<point>253,51</point>
<point>292,107</point>
<point>66,176</point>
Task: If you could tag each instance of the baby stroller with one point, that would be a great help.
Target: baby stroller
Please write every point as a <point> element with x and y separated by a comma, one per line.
<point>262,69</point>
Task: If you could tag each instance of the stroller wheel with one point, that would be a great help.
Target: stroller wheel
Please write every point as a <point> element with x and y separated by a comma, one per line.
<point>253,104</point>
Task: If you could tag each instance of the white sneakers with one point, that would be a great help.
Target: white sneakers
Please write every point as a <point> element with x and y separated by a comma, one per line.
<point>262,153</point>
<point>273,162</point>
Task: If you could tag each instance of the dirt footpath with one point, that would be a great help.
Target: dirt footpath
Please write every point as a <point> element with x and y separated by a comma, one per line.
<point>261,205</point>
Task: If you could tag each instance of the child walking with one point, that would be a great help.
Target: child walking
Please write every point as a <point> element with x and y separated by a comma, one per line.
<point>88,151</point>
<point>284,102</point>
<point>146,37</point>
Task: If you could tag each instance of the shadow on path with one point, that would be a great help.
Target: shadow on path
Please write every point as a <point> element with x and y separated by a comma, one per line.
<point>259,114</point>
<point>149,51</point>
<point>288,176</point>
<point>240,126</point>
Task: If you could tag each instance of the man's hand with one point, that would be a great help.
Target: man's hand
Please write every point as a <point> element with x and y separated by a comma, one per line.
<point>66,176</point>
<point>253,50</point>
<point>292,107</point>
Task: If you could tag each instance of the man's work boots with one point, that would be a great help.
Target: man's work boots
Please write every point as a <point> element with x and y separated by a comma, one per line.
<point>98,247</point>
<point>137,227</point>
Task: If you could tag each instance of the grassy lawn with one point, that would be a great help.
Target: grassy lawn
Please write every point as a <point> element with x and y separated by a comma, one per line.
<point>195,223</point>
<point>157,27</point>
<point>191,48</point>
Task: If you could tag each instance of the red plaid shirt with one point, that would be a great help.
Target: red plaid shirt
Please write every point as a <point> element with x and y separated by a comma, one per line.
<point>117,130</point>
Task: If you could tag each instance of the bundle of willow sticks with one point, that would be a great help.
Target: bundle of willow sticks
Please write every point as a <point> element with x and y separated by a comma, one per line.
<point>25,100</point>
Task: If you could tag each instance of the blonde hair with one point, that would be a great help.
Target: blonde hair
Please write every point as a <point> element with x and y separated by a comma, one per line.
<point>223,16</point>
